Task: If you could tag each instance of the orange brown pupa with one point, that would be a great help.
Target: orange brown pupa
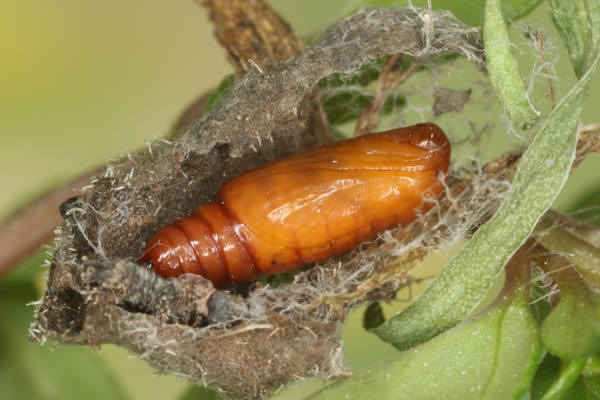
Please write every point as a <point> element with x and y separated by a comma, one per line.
<point>305,207</point>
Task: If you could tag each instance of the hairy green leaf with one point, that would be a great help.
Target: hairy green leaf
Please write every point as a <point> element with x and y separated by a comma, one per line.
<point>461,285</point>
<point>577,22</point>
<point>493,356</point>
<point>503,68</point>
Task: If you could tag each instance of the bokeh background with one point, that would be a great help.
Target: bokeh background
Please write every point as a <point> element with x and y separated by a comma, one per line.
<point>83,81</point>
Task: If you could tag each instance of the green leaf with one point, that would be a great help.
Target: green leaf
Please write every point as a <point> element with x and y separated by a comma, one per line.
<point>577,22</point>
<point>31,371</point>
<point>493,356</point>
<point>217,95</point>
<point>572,329</point>
<point>503,68</point>
<point>542,172</point>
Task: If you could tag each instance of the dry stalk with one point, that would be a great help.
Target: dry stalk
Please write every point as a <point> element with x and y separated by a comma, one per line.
<point>389,78</point>
<point>540,39</point>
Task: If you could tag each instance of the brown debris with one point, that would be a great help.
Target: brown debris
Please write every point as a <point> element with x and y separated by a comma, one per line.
<point>447,100</point>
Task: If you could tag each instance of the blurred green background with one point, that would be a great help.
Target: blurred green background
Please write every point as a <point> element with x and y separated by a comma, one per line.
<point>83,81</point>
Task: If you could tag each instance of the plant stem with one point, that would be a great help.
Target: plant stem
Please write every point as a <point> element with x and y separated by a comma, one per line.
<point>567,378</point>
<point>388,79</point>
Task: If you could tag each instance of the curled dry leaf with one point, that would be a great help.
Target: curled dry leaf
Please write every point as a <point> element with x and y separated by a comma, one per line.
<point>447,100</point>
